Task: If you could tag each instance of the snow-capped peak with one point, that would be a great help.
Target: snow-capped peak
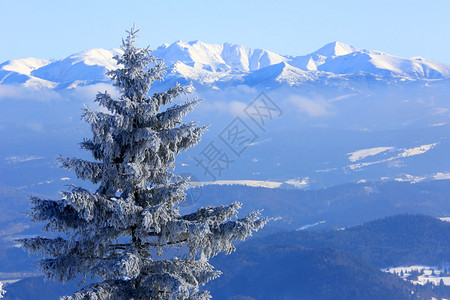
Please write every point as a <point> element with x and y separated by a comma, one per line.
<point>97,56</point>
<point>281,72</point>
<point>336,49</point>
<point>340,58</point>
<point>24,65</point>
<point>225,57</point>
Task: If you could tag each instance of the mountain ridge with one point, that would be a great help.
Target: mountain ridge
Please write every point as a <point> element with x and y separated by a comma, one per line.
<point>204,63</point>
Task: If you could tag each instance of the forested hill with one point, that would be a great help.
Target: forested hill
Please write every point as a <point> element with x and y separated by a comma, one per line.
<point>338,264</point>
<point>267,271</point>
<point>392,241</point>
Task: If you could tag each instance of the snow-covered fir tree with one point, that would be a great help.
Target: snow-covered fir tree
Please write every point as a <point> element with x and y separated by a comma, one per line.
<point>120,231</point>
<point>2,291</point>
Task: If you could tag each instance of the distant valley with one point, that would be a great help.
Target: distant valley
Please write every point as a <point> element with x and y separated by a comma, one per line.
<point>342,148</point>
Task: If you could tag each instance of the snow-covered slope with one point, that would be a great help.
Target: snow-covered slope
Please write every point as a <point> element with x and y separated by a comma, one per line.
<point>89,65</point>
<point>24,65</point>
<point>18,71</point>
<point>282,73</point>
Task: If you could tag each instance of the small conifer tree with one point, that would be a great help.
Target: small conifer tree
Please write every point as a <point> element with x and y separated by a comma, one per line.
<point>120,231</point>
<point>2,291</point>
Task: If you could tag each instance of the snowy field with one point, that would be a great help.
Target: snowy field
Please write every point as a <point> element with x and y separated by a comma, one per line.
<point>423,274</point>
<point>291,183</point>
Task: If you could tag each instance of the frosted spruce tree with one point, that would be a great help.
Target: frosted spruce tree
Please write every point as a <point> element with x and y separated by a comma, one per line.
<point>120,231</point>
<point>2,291</point>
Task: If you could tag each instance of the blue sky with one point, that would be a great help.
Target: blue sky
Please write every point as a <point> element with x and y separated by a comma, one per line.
<point>56,29</point>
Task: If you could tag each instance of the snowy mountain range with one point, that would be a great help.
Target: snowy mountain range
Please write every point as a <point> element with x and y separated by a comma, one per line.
<point>348,114</point>
<point>203,63</point>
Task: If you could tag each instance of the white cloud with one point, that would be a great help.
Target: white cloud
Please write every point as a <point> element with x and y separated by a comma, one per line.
<point>233,108</point>
<point>237,108</point>
<point>34,126</point>
<point>242,88</point>
<point>88,93</point>
<point>209,106</point>
<point>13,92</point>
<point>438,124</point>
<point>311,107</point>
<point>442,176</point>
<point>22,158</point>
<point>326,170</point>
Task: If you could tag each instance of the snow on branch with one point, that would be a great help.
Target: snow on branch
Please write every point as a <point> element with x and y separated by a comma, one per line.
<point>217,214</point>
<point>106,290</point>
<point>172,116</point>
<point>92,171</point>
<point>167,97</point>
<point>58,215</point>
